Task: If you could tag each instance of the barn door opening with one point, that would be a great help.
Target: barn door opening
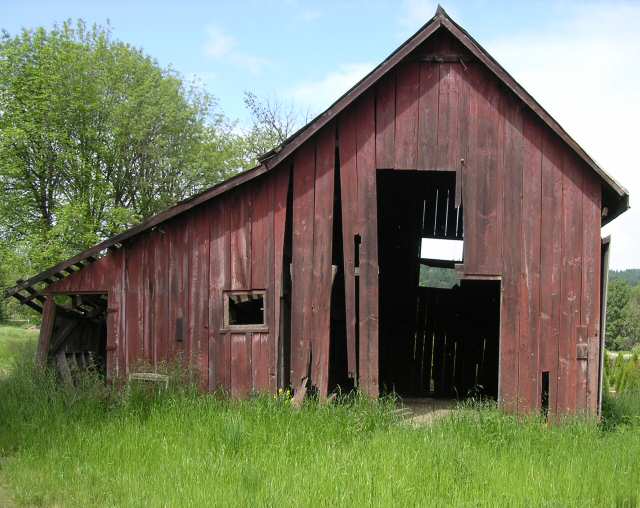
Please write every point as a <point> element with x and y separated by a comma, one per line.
<point>438,332</point>
<point>78,340</point>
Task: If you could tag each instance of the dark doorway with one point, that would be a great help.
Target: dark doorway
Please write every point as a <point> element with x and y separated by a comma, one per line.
<point>438,331</point>
<point>79,337</point>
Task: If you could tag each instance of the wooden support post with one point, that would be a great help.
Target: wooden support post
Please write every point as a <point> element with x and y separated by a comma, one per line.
<point>73,363</point>
<point>63,368</point>
<point>46,331</point>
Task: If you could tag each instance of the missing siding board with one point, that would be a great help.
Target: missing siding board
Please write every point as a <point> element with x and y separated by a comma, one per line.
<point>544,393</point>
<point>245,310</point>
<point>441,215</point>
<point>438,277</point>
<point>357,240</point>
<point>441,227</point>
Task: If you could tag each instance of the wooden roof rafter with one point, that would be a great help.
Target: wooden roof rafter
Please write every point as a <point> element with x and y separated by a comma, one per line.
<point>33,287</point>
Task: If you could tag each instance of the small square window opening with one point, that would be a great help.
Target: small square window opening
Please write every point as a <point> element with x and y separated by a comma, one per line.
<point>244,309</point>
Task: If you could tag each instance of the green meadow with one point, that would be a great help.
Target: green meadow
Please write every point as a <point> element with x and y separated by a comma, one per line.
<point>94,446</point>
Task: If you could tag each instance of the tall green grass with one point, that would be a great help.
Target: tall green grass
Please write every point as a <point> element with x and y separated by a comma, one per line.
<point>139,447</point>
<point>621,390</point>
<point>15,341</point>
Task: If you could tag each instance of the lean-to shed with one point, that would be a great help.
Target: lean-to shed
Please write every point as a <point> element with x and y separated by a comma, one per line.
<point>434,232</point>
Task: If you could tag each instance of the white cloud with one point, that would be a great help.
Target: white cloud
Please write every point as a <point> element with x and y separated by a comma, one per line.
<point>218,43</point>
<point>319,94</point>
<point>310,14</point>
<point>583,70</point>
<point>221,46</point>
<point>414,14</point>
<point>302,11</point>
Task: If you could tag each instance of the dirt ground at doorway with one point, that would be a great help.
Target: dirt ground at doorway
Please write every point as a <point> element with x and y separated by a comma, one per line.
<point>425,411</point>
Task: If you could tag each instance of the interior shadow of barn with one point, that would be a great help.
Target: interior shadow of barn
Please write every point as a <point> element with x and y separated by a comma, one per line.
<point>439,332</point>
<point>79,335</point>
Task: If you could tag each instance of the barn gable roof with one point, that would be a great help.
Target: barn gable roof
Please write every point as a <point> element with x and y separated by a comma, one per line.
<point>615,196</point>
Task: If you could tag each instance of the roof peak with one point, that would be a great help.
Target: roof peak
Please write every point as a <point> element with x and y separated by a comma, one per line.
<point>440,12</point>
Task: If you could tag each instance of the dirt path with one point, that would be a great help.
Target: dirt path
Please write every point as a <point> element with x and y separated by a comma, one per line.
<point>425,411</point>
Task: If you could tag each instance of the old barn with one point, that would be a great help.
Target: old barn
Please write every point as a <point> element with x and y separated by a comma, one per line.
<point>435,232</point>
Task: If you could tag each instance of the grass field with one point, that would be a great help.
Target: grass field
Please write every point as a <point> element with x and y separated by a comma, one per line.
<point>13,342</point>
<point>94,447</point>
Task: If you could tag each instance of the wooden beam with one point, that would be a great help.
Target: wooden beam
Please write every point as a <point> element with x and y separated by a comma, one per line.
<point>438,263</point>
<point>59,339</point>
<point>33,295</point>
<point>28,303</point>
<point>443,59</point>
<point>46,331</point>
<point>63,368</point>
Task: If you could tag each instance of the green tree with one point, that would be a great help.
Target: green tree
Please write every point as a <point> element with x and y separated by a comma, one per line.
<point>619,328</point>
<point>633,317</point>
<point>95,136</point>
<point>272,122</point>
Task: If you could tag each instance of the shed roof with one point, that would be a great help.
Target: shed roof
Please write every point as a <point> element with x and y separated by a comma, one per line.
<point>615,196</point>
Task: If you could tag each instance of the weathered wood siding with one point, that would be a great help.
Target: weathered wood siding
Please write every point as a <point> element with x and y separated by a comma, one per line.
<point>531,215</point>
<point>165,289</point>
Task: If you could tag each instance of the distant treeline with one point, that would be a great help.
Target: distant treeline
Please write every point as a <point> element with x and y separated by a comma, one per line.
<point>631,276</point>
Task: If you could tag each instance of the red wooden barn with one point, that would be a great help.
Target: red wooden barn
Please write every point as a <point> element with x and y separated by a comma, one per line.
<point>434,232</point>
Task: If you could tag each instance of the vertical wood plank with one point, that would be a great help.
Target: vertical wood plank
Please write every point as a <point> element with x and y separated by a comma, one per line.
<point>550,263</point>
<point>322,251</point>
<point>46,330</point>
<point>368,205</point>
<point>571,282</point>
<point>385,122</point>
<point>270,340</point>
<point>260,362</point>
<point>512,239</point>
<point>428,116</point>
<point>147,298</point>
<point>350,227</point>
<point>121,365</point>
<point>219,280</point>
<point>481,185</point>
<point>406,131</point>
<point>582,368</point>
<point>198,329</point>
<point>219,348</point>
<point>590,305</point>
<point>134,301</point>
<point>240,365</point>
<point>281,188</point>
<point>302,258</point>
<point>262,206</point>
<point>161,295</point>
<point>180,247</point>
<point>240,230</point>
<point>262,258</point>
<point>449,149</point>
<point>528,379</point>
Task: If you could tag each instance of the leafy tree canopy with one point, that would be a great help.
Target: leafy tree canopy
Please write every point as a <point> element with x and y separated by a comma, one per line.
<point>96,136</point>
<point>623,315</point>
<point>631,275</point>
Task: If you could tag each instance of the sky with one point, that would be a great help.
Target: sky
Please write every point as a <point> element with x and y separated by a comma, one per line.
<point>578,59</point>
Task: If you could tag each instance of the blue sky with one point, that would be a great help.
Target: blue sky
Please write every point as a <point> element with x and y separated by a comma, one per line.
<point>579,59</point>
